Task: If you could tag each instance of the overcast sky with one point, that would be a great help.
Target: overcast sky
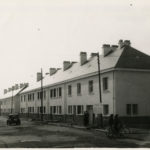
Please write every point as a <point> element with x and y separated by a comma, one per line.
<point>44,33</point>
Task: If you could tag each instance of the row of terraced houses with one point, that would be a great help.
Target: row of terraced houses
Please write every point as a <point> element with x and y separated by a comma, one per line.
<point>73,89</point>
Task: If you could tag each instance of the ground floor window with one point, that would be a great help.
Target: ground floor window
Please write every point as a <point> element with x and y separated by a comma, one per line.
<point>131,109</point>
<point>30,109</point>
<point>80,109</point>
<point>105,109</point>
<point>69,109</point>
<point>55,110</point>
<point>75,109</point>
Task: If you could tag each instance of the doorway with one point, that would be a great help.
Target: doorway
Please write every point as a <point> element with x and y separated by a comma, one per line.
<point>89,109</point>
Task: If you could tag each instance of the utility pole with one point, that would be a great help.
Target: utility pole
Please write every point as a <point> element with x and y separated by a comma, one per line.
<point>12,101</point>
<point>99,77</point>
<point>100,94</point>
<point>41,95</point>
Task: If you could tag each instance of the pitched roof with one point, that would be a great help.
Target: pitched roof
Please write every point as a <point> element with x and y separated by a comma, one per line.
<point>10,94</point>
<point>133,59</point>
<point>125,57</point>
<point>77,70</point>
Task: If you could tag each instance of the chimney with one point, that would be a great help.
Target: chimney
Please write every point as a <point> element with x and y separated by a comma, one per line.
<point>9,89</point>
<point>93,54</point>
<point>52,71</point>
<point>114,47</point>
<point>106,49</point>
<point>83,58</point>
<point>127,42</point>
<point>21,85</point>
<point>5,91</point>
<point>120,43</point>
<point>39,76</point>
<point>16,86</point>
<point>26,84</point>
<point>66,65</point>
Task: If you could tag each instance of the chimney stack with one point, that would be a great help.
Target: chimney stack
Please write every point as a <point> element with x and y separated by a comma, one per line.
<point>16,86</point>
<point>121,43</point>
<point>106,49</point>
<point>93,54</point>
<point>39,76</point>
<point>66,65</point>
<point>127,42</point>
<point>114,47</point>
<point>83,58</point>
<point>5,91</point>
<point>52,71</point>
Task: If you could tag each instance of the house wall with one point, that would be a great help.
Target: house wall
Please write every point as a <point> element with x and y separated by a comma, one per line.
<point>132,87</point>
<point>84,99</point>
<point>7,105</point>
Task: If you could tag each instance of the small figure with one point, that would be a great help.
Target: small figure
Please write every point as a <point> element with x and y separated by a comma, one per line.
<point>117,124</point>
<point>111,121</point>
<point>86,118</point>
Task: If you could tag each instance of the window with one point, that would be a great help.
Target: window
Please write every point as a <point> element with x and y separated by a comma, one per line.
<point>135,109</point>
<point>59,109</point>
<point>44,94</point>
<point>79,109</point>
<point>54,109</point>
<point>74,110</point>
<point>54,92</point>
<point>78,88</point>
<point>105,83</point>
<point>21,98</point>
<point>132,109</point>
<point>51,93</point>
<point>91,86</point>
<point>59,91</point>
<point>128,109</point>
<point>69,90</point>
<point>33,96</point>
<point>105,109</point>
<point>51,109</point>
<point>69,109</point>
<point>38,95</point>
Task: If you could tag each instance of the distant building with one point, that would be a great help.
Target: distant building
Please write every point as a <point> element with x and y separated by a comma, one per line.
<point>10,101</point>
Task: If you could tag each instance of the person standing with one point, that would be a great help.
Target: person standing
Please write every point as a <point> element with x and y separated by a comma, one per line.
<point>86,118</point>
<point>117,123</point>
<point>111,121</point>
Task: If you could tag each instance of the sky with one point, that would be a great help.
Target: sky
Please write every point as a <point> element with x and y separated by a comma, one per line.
<point>37,34</point>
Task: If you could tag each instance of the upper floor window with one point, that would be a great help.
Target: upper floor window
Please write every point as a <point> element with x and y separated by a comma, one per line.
<point>51,93</point>
<point>69,90</point>
<point>44,94</point>
<point>21,99</point>
<point>105,83</point>
<point>60,92</point>
<point>91,86</point>
<point>24,98</point>
<point>78,88</point>
<point>54,92</point>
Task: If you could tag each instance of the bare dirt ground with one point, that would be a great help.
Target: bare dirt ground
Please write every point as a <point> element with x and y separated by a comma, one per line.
<point>33,135</point>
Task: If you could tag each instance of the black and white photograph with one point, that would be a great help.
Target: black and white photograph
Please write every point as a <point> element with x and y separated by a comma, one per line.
<point>74,74</point>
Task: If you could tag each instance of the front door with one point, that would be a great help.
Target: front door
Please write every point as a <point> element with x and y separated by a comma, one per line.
<point>90,112</point>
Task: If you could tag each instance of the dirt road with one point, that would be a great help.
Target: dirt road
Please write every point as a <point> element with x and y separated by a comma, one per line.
<point>32,135</point>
